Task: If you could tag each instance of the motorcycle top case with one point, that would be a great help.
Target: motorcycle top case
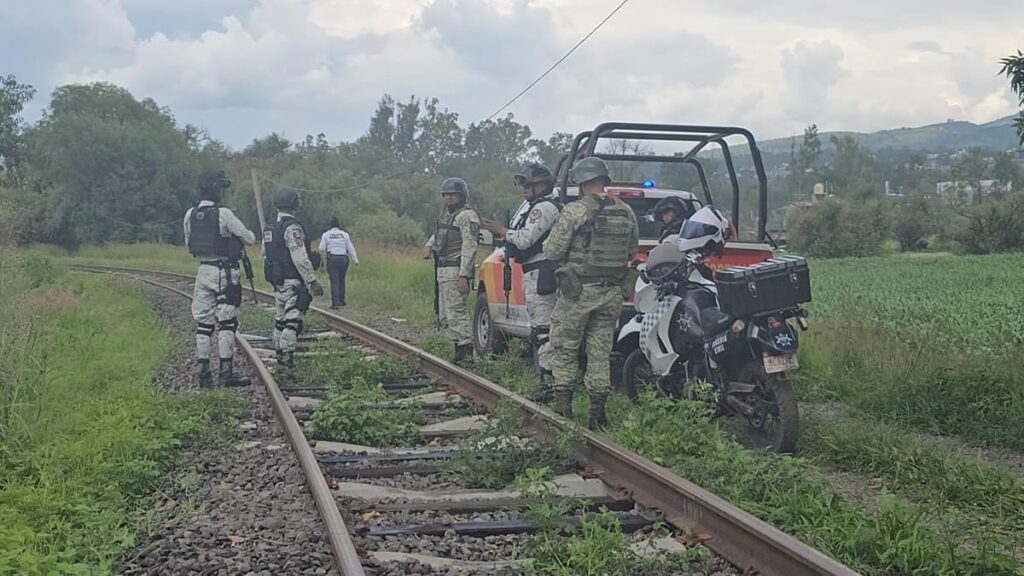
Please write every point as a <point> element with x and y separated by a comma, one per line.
<point>771,286</point>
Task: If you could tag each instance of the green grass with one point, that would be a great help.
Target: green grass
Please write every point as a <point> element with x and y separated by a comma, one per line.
<point>89,437</point>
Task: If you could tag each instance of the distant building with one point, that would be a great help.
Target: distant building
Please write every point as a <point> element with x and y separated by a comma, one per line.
<point>964,190</point>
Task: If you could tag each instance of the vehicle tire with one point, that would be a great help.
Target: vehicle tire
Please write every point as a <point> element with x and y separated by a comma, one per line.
<point>775,393</point>
<point>636,375</point>
<point>487,339</point>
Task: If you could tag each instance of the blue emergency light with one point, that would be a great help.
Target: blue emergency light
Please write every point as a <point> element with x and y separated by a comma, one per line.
<point>648,184</point>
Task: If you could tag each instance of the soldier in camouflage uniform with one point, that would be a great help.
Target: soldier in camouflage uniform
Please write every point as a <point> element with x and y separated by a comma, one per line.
<point>290,267</point>
<point>524,243</point>
<point>214,236</point>
<point>454,246</point>
<point>593,242</point>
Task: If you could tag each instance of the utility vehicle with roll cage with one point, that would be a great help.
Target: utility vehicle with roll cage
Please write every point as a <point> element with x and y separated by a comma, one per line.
<point>497,318</point>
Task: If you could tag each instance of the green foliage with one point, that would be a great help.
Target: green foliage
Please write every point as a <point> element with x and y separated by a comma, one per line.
<point>349,416</point>
<point>495,455</point>
<point>88,436</point>
<point>13,97</point>
<point>1013,69</point>
<point>787,493</point>
<point>853,172</point>
<point>994,225</point>
<point>837,227</point>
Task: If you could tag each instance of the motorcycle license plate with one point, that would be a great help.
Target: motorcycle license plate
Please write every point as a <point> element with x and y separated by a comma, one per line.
<point>783,363</point>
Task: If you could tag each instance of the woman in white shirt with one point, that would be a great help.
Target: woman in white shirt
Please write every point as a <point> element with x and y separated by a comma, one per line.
<point>338,246</point>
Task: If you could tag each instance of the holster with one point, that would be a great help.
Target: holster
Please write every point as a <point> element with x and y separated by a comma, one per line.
<point>569,284</point>
<point>546,281</point>
<point>233,294</point>
<point>302,298</point>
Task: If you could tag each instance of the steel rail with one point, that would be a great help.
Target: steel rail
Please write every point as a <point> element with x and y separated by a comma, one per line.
<point>739,537</point>
<point>344,551</point>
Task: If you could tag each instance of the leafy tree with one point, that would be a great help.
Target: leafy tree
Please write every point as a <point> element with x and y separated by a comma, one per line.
<point>1013,69</point>
<point>108,167</point>
<point>854,173</point>
<point>548,152</point>
<point>839,227</point>
<point>968,170</point>
<point>13,97</point>
<point>503,140</point>
<point>1007,172</point>
<point>269,146</point>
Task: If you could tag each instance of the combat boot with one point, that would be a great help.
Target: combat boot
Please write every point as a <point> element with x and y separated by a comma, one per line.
<point>598,418</point>
<point>463,352</point>
<point>228,377</point>
<point>544,392</point>
<point>563,403</point>
<point>203,374</point>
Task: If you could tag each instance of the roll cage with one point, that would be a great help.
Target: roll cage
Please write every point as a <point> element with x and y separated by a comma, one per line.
<point>585,145</point>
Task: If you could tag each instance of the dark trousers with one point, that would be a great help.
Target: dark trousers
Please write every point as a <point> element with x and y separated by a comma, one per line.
<point>337,267</point>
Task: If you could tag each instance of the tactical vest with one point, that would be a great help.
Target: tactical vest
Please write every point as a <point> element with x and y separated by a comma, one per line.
<point>522,255</point>
<point>448,240</point>
<point>600,248</point>
<point>277,261</point>
<point>204,238</point>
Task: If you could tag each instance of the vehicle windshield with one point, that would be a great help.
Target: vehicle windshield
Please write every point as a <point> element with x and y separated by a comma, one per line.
<point>650,229</point>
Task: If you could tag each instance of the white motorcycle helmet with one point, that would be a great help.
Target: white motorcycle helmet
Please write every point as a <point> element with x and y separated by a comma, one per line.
<point>706,230</point>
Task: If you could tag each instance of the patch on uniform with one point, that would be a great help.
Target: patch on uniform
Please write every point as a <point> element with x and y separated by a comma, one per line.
<point>296,233</point>
<point>535,214</point>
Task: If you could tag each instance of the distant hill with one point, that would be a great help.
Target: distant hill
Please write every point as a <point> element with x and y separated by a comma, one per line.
<point>948,136</point>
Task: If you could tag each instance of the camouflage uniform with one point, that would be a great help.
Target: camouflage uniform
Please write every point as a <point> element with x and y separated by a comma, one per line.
<point>455,244</point>
<point>529,231</point>
<point>287,315</point>
<point>217,292</point>
<point>588,313</point>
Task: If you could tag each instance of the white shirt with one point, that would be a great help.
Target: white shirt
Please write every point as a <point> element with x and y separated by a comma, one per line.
<point>337,242</point>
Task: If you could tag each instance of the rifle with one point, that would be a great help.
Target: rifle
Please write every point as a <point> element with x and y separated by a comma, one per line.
<point>437,292</point>
<point>247,267</point>
<point>506,279</point>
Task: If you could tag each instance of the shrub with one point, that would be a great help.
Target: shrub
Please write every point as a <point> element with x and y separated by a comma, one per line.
<point>835,228</point>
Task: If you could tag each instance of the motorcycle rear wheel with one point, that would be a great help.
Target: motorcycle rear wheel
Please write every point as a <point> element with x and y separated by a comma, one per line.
<point>637,376</point>
<point>778,420</point>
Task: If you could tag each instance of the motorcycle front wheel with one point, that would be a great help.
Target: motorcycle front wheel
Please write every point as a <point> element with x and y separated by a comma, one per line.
<point>637,376</point>
<point>776,418</point>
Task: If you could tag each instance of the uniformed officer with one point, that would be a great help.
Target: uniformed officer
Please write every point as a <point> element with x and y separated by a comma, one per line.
<point>289,265</point>
<point>592,242</point>
<point>670,212</point>
<point>214,236</point>
<point>454,246</point>
<point>524,243</point>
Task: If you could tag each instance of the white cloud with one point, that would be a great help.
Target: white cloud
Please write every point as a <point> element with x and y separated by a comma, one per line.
<point>243,68</point>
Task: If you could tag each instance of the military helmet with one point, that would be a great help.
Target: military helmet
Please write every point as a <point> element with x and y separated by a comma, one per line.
<point>533,173</point>
<point>589,169</point>
<point>455,186</point>
<point>211,183</point>
<point>287,199</point>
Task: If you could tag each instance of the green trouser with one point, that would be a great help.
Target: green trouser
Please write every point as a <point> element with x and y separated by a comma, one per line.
<point>588,319</point>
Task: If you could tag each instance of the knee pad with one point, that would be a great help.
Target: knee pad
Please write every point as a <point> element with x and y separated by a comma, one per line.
<point>279,325</point>
<point>229,325</point>
<point>203,329</point>
<point>295,325</point>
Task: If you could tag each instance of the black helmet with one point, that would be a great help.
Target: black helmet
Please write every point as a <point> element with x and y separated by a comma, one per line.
<point>287,199</point>
<point>455,186</point>
<point>671,203</point>
<point>533,173</point>
<point>211,183</point>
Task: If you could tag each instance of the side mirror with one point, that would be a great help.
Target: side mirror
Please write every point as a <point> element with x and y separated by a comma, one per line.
<point>485,238</point>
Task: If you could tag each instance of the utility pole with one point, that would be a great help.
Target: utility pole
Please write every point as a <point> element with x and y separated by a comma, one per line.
<point>259,201</point>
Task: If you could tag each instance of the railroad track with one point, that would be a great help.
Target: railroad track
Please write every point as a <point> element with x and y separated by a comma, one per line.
<point>370,486</point>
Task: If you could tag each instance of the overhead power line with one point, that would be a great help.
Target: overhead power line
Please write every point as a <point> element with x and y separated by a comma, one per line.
<point>560,60</point>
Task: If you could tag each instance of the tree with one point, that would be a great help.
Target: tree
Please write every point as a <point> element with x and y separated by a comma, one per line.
<point>968,170</point>
<point>269,146</point>
<point>548,152</point>
<point>1007,172</point>
<point>854,173</point>
<point>1013,69</point>
<point>108,168</point>
<point>503,140</point>
<point>13,97</point>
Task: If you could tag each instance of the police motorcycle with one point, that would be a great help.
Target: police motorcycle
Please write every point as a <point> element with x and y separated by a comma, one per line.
<point>731,330</point>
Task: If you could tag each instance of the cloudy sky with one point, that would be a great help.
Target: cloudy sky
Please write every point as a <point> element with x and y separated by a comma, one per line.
<point>244,68</point>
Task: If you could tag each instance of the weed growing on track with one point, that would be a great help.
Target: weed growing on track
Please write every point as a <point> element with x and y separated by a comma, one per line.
<point>259,319</point>
<point>597,547</point>
<point>355,385</point>
<point>495,455</point>
<point>89,437</point>
<point>787,492</point>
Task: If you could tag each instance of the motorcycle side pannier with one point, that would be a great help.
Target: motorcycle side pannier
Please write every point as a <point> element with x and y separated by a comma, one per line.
<point>771,286</point>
